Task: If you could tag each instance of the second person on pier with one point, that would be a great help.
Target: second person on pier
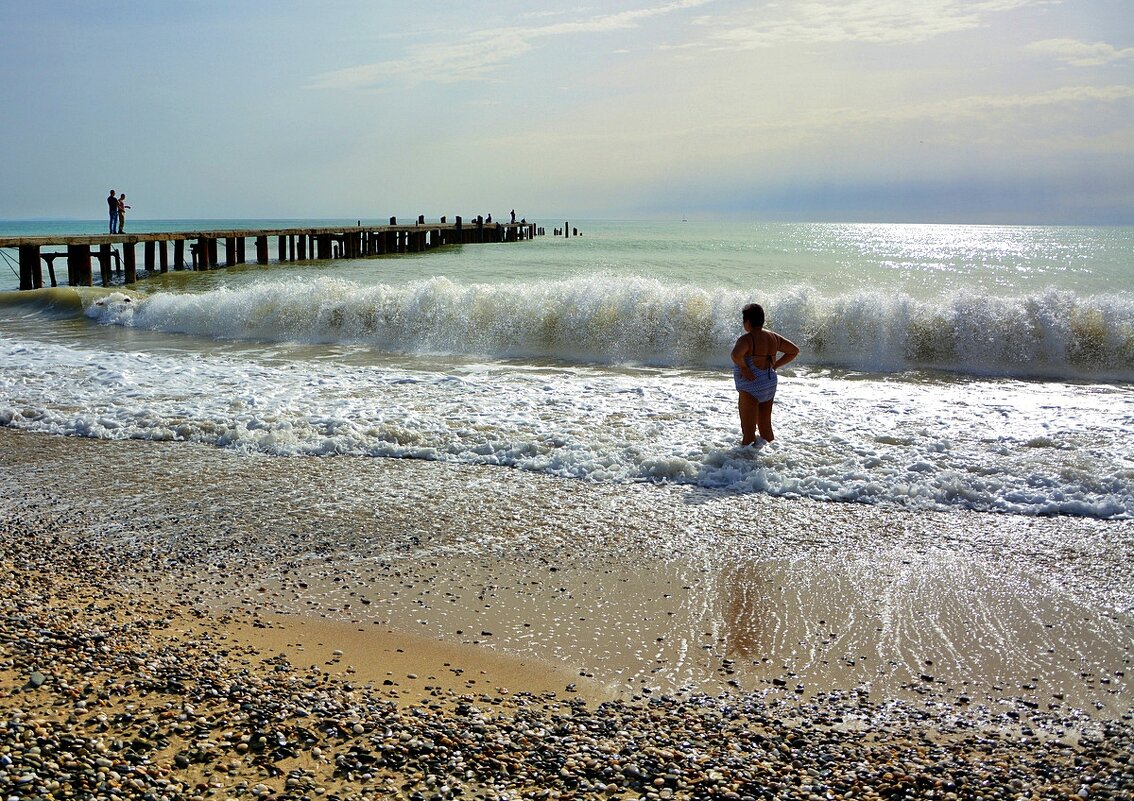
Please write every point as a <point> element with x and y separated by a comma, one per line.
<point>122,213</point>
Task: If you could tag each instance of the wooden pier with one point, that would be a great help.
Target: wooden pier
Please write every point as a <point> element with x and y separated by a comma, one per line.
<point>163,251</point>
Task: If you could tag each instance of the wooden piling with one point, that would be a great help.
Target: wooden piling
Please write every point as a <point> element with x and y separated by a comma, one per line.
<point>31,275</point>
<point>104,264</point>
<point>129,264</point>
<point>79,265</point>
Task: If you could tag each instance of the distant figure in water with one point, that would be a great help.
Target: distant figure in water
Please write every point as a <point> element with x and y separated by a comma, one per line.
<point>755,358</point>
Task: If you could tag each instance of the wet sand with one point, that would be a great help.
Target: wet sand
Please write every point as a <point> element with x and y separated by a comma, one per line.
<point>653,606</point>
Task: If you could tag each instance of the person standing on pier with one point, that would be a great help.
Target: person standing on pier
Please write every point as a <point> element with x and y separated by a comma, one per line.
<point>112,201</point>
<point>122,213</point>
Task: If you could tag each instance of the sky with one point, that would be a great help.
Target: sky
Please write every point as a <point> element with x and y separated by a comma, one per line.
<point>958,111</point>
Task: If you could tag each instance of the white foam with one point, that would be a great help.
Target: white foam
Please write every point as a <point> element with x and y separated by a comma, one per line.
<point>1025,448</point>
<point>607,320</point>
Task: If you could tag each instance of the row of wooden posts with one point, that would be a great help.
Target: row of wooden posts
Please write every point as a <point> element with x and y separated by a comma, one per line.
<point>292,244</point>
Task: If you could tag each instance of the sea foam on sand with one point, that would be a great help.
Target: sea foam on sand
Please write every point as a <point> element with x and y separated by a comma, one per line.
<point>768,617</point>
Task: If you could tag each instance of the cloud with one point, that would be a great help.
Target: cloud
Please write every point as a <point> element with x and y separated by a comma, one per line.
<point>870,21</point>
<point>483,54</point>
<point>944,118</point>
<point>984,104</point>
<point>1081,54</point>
<point>475,59</point>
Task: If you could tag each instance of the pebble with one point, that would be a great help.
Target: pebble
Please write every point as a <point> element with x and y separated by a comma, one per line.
<point>136,713</point>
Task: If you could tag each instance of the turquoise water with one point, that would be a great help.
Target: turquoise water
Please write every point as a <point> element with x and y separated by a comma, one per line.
<point>984,367</point>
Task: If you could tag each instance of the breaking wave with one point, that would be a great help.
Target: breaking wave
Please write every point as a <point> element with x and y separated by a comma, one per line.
<point>619,320</point>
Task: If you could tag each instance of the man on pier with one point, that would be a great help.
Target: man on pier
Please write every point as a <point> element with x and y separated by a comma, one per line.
<point>112,201</point>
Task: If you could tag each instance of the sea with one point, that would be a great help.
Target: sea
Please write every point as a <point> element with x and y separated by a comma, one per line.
<point>942,367</point>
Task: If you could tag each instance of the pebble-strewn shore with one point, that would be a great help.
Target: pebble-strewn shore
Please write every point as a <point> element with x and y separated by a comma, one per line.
<point>108,693</point>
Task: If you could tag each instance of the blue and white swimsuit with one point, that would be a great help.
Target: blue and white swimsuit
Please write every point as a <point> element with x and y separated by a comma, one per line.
<point>763,388</point>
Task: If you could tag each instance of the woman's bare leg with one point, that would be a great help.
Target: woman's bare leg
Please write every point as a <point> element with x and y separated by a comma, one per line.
<point>764,420</point>
<point>749,411</point>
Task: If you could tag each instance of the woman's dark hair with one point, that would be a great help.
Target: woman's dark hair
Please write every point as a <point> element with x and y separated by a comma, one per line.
<point>754,313</point>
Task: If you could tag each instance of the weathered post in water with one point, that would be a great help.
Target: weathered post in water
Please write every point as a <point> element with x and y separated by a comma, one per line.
<point>129,263</point>
<point>79,265</point>
<point>31,273</point>
<point>104,263</point>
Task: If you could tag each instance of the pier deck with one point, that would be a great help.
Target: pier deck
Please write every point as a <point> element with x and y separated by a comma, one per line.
<point>292,244</point>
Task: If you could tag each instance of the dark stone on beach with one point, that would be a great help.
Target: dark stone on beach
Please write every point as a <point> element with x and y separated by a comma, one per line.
<point>141,714</point>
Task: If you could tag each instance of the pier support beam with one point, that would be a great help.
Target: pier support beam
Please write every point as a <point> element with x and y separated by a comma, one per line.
<point>148,255</point>
<point>129,263</point>
<point>31,271</point>
<point>163,256</point>
<point>79,265</point>
<point>104,263</point>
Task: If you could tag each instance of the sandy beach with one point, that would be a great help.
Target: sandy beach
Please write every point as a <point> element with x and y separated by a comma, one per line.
<point>186,622</point>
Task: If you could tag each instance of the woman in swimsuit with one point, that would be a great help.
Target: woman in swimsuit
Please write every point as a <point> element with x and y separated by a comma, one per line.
<point>755,358</point>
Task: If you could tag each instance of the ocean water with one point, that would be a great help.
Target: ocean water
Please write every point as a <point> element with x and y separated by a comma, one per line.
<point>942,367</point>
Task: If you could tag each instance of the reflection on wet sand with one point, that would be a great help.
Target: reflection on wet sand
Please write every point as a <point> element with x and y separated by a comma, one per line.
<point>749,621</point>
